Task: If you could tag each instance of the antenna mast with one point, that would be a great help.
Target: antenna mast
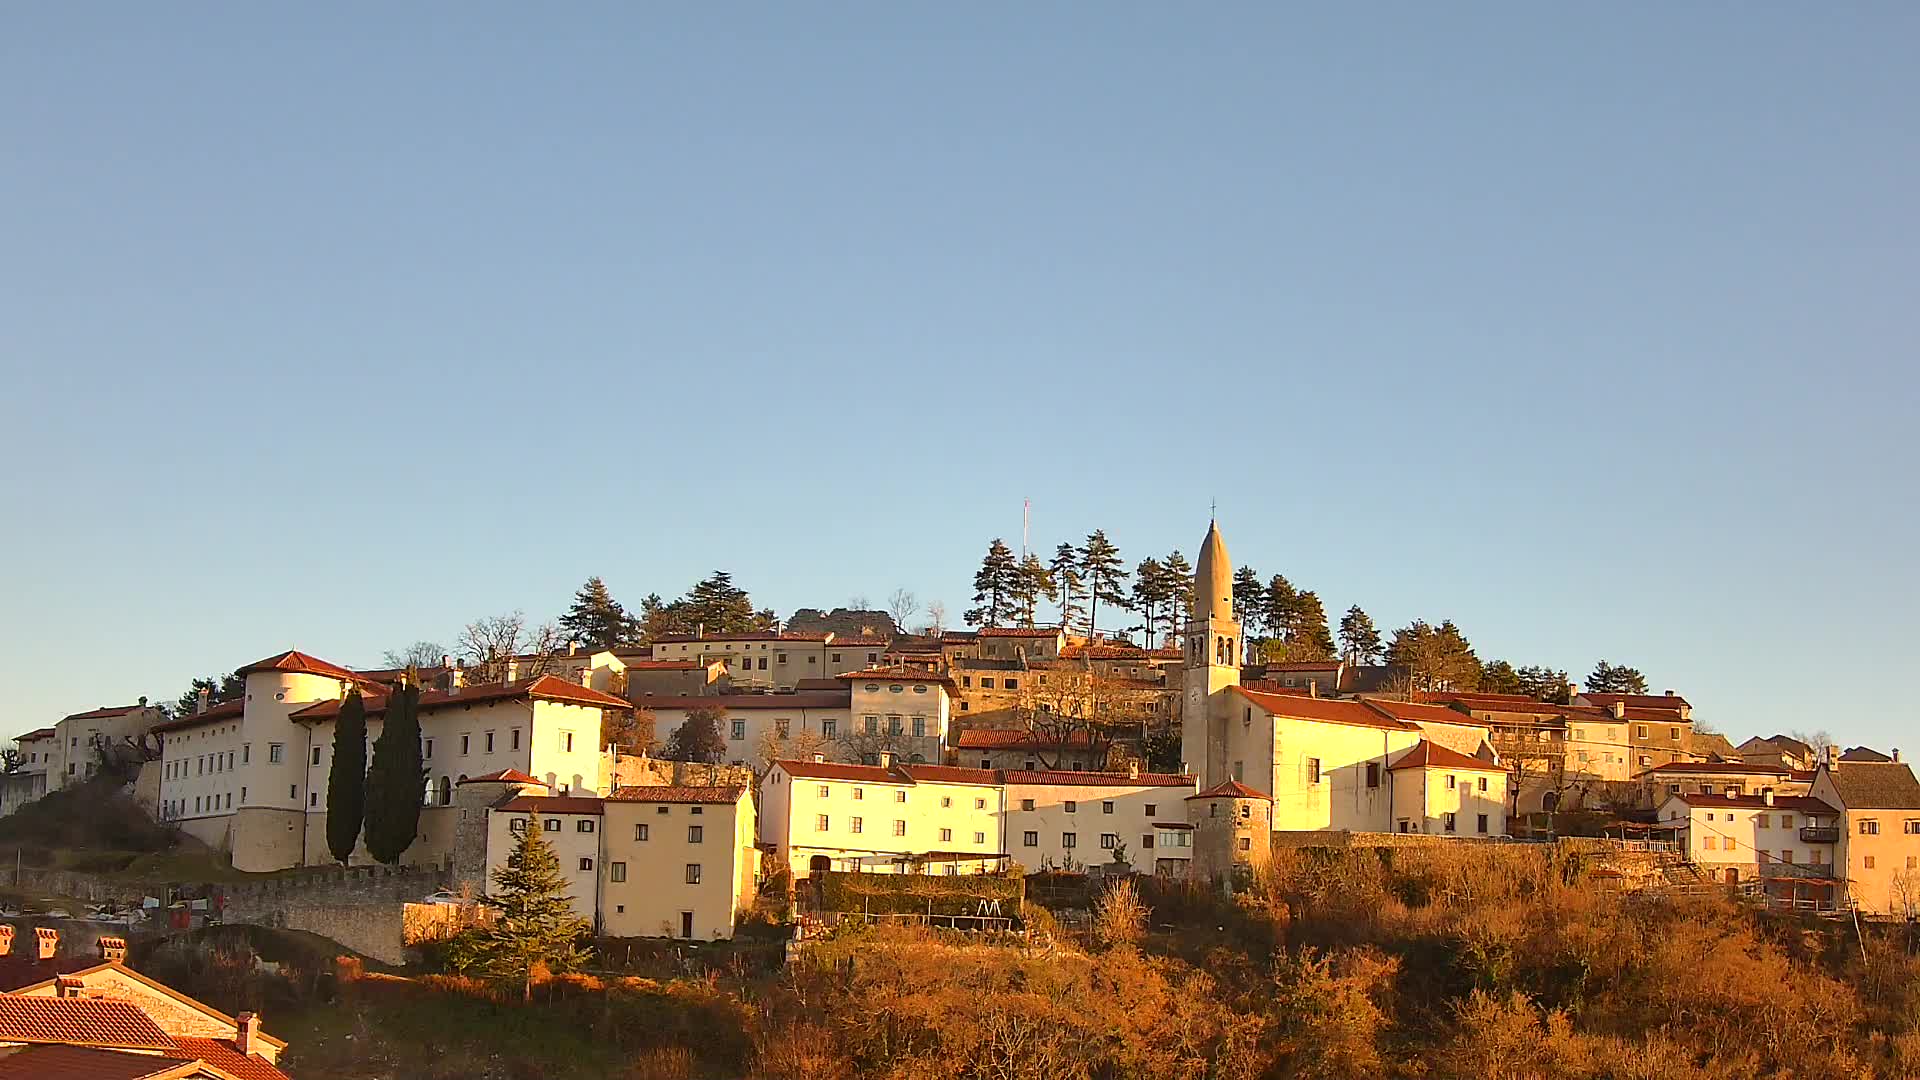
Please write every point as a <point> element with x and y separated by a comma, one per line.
<point>1026,527</point>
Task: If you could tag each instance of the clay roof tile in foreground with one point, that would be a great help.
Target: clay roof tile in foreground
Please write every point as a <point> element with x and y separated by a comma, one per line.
<point>56,1062</point>
<point>76,1021</point>
<point>223,1055</point>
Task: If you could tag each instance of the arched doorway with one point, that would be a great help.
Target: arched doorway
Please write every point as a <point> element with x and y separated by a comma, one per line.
<point>819,864</point>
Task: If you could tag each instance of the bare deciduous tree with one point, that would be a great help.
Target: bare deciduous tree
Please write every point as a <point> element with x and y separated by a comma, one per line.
<point>902,605</point>
<point>1066,705</point>
<point>936,617</point>
<point>491,646</point>
<point>420,654</point>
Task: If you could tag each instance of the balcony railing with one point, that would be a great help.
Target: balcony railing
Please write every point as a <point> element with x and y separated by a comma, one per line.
<point>1819,834</point>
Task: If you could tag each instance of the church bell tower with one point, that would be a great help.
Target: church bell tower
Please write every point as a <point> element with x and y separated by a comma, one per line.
<point>1212,662</point>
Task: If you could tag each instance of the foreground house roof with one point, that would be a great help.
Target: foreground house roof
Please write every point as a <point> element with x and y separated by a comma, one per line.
<point>161,988</point>
<point>1431,755</point>
<point>1875,785</point>
<point>57,1062</point>
<point>75,1021</point>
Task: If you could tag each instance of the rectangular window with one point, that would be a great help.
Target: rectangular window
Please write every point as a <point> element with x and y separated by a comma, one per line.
<point>489,742</point>
<point>739,729</point>
<point>1109,841</point>
<point>696,834</point>
<point>1072,807</point>
<point>763,663</point>
<point>981,838</point>
<point>586,863</point>
<point>871,724</point>
<point>693,873</point>
<point>900,796</point>
<point>857,825</point>
<point>1483,783</point>
<point>1146,841</point>
<point>276,753</point>
<point>780,727</point>
<point>859,794</point>
<point>616,872</point>
<point>1481,823</point>
<point>1106,806</point>
<point>517,825</point>
<point>640,831</point>
<point>1449,822</point>
<point>566,741</point>
<point>1026,804</point>
<point>1869,827</point>
<point>946,836</point>
<point>1012,683</point>
<point>893,725</point>
<point>946,801</point>
<point>825,791</point>
<point>919,727</point>
<point>1706,843</point>
<point>1642,731</point>
<point>1866,862</point>
<point>513,738</point>
<point>552,825</point>
<point>316,755</point>
<point>1313,770</point>
<point>830,729</point>
<point>979,804</point>
<point>899,827</point>
<point>466,745</point>
<point>1762,821</point>
<point>820,823</point>
<point>986,683</point>
<point>1373,774</point>
<point>1911,826</point>
<point>1032,839</point>
<point>426,748</point>
<point>246,753</point>
<point>313,798</point>
<point>1786,855</point>
<point>1450,782</point>
<point>1152,809</point>
<point>1068,840</point>
<point>583,825</point>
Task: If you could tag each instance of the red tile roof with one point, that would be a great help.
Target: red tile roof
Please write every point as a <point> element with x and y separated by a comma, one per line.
<point>222,1054</point>
<point>1230,789</point>
<point>1114,652</point>
<point>812,699</point>
<point>296,661</point>
<point>898,672</point>
<point>1431,755</point>
<point>1268,686</point>
<point>42,733</point>
<point>725,794</point>
<point>226,710</point>
<point>105,712</point>
<point>665,665</point>
<point>881,774</point>
<point>1666,702</point>
<point>1306,665</point>
<point>759,635</point>
<point>1716,767</point>
<point>1662,716</point>
<point>504,776</point>
<point>1802,803</point>
<point>1414,712</point>
<point>55,1062</point>
<point>1519,703</point>
<point>989,739</point>
<point>79,1022</point>
<point>80,977</point>
<point>1324,710</point>
<point>544,688</point>
<point>1072,778</point>
<point>949,774</point>
<point>553,804</point>
<point>1020,631</point>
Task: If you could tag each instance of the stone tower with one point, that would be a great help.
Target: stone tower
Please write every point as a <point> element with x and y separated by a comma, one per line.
<point>1212,661</point>
<point>1232,826</point>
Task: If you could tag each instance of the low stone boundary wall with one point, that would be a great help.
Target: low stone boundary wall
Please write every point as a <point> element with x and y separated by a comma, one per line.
<point>361,907</point>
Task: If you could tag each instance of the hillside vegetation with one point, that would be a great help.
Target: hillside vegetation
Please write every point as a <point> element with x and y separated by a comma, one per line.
<point>1490,964</point>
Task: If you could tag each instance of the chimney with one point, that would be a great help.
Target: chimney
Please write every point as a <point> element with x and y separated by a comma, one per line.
<point>1671,694</point>
<point>700,629</point>
<point>819,759</point>
<point>69,986</point>
<point>49,941</point>
<point>200,702</point>
<point>513,669</point>
<point>6,939</point>
<point>586,677</point>
<point>574,647</point>
<point>113,950</point>
<point>143,701</point>
<point>1766,796</point>
<point>246,1029</point>
<point>1896,753</point>
<point>1573,690</point>
<point>1133,769</point>
<point>1619,710</point>
<point>886,759</point>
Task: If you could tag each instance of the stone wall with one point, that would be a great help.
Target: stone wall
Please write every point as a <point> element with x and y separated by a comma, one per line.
<point>629,771</point>
<point>360,906</point>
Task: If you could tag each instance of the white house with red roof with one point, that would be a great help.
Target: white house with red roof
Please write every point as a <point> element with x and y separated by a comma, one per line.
<point>885,818</point>
<point>250,775</point>
<point>1787,842</point>
<point>774,660</point>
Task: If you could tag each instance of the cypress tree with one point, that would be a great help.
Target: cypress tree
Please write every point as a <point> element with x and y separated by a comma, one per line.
<point>347,782</point>
<point>396,780</point>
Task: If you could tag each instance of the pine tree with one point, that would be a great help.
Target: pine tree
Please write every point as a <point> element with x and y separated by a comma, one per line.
<point>596,619</point>
<point>1033,582</point>
<point>1180,580</point>
<point>1151,594</point>
<point>1249,599</point>
<point>720,606</point>
<point>537,926</point>
<point>1279,610</point>
<point>1101,569</point>
<point>1499,677</point>
<point>347,782</point>
<point>1359,637</point>
<point>1435,657</point>
<point>698,737</point>
<point>1308,637</point>
<point>1615,679</point>
<point>397,778</point>
<point>995,585</point>
<point>1543,684</point>
<point>1065,570</point>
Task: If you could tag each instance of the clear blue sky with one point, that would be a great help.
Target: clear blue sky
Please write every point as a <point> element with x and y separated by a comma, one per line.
<point>1592,330</point>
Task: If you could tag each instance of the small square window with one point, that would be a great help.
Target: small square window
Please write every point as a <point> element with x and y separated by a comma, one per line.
<point>586,863</point>
<point>552,825</point>
<point>1026,804</point>
<point>899,827</point>
<point>1072,806</point>
<point>583,825</point>
<point>1031,839</point>
<point>1152,809</point>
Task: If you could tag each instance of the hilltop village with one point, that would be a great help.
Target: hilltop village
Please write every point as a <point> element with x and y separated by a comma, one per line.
<point>963,752</point>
